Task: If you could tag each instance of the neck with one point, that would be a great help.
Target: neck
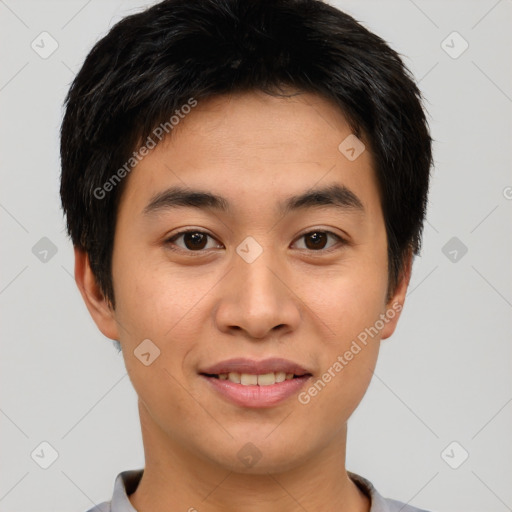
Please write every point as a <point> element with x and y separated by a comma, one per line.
<point>174,478</point>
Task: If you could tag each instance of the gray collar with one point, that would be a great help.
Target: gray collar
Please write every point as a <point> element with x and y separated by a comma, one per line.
<point>127,481</point>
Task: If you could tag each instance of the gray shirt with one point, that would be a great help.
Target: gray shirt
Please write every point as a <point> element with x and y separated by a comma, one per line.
<point>127,481</point>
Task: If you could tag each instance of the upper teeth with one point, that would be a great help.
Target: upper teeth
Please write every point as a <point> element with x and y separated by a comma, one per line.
<point>248,379</point>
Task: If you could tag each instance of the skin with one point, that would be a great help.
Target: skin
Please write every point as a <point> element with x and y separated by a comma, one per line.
<point>293,302</point>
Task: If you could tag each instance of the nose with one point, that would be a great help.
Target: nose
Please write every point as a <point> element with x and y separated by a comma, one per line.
<point>257,298</point>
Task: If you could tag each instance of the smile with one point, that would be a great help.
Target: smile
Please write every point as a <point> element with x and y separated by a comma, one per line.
<point>249,379</point>
<point>252,394</point>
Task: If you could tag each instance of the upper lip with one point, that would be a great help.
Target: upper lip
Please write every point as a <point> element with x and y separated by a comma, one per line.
<point>254,367</point>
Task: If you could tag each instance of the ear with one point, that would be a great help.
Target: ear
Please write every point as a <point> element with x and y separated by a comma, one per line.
<point>99,307</point>
<point>395,304</point>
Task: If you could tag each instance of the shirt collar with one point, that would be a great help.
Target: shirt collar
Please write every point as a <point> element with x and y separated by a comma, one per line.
<point>127,481</point>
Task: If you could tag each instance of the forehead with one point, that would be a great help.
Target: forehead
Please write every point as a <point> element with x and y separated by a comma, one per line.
<point>253,145</point>
<point>283,127</point>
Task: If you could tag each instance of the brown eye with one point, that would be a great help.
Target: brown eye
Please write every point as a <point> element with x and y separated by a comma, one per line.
<point>191,241</point>
<point>316,240</point>
<point>194,240</point>
<point>319,240</point>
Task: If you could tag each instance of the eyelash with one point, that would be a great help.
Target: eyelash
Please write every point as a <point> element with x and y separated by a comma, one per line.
<point>170,241</point>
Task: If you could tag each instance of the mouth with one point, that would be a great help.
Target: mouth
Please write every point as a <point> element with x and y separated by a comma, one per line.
<point>256,384</point>
<point>251,379</point>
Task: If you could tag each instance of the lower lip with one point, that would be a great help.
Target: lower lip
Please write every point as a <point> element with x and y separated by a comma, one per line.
<point>257,396</point>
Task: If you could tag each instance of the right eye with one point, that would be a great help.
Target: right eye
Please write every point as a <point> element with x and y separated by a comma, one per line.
<point>193,240</point>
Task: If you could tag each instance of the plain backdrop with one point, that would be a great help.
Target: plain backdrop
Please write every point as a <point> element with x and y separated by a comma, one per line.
<point>442,389</point>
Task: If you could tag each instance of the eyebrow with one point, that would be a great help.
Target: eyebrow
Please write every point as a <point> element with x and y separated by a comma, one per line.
<point>335,195</point>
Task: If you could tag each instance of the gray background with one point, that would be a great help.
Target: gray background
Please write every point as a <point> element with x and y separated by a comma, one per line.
<point>444,376</point>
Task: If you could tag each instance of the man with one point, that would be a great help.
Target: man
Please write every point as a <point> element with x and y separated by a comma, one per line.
<point>245,185</point>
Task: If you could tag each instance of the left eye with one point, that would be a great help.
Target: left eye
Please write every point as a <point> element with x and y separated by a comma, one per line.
<point>317,240</point>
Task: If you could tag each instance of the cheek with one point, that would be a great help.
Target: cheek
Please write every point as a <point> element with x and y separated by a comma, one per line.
<point>169,308</point>
<point>332,397</point>
<point>352,296</point>
<point>155,302</point>
<point>351,305</point>
<point>349,354</point>
<point>154,306</point>
<point>357,306</point>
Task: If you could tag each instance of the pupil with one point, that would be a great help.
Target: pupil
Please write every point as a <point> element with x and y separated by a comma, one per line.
<point>195,240</point>
<point>318,238</point>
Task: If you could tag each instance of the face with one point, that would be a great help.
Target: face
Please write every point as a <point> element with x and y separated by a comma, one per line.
<point>267,281</point>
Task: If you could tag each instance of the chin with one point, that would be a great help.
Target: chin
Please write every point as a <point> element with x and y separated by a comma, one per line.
<point>259,457</point>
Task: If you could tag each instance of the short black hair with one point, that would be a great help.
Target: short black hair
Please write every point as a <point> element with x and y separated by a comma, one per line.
<point>152,63</point>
